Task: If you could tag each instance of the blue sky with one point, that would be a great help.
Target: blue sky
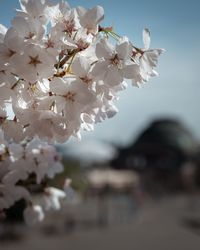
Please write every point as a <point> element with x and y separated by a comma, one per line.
<point>175,26</point>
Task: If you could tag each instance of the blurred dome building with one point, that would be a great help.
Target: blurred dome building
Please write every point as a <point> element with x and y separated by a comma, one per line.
<point>159,152</point>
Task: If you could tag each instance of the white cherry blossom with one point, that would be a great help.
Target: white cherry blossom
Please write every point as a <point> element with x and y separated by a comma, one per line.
<point>11,45</point>
<point>29,30</point>
<point>12,193</point>
<point>33,214</point>
<point>90,19</point>
<point>57,12</point>
<point>114,65</point>
<point>82,68</point>
<point>71,97</point>
<point>148,58</point>
<point>13,130</point>
<point>52,197</point>
<point>34,64</point>
<point>33,9</point>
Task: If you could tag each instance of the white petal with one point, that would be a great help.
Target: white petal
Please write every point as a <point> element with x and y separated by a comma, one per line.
<point>94,15</point>
<point>100,68</point>
<point>89,19</point>
<point>59,86</point>
<point>81,66</point>
<point>55,192</point>
<point>20,192</point>
<point>16,150</point>
<point>13,41</point>
<point>33,214</point>
<point>81,11</point>
<point>113,76</point>
<point>55,168</point>
<point>13,131</point>
<point>33,8</point>
<point>104,49</point>
<point>123,48</point>
<point>14,176</point>
<point>3,31</point>
<point>88,122</point>
<point>112,111</point>
<point>146,38</point>
<point>131,71</point>
<point>5,93</point>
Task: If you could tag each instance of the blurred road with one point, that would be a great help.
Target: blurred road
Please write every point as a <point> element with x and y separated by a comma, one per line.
<point>168,224</point>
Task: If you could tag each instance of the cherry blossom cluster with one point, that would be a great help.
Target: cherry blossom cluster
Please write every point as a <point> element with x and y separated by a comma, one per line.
<point>24,168</point>
<point>60,73</point>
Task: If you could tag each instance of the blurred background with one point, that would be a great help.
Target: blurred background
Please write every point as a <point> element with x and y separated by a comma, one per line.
<point>136,178</point>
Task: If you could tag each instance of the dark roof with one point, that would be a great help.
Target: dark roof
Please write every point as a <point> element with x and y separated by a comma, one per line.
<point>170,133</point>
<point>164,142</point>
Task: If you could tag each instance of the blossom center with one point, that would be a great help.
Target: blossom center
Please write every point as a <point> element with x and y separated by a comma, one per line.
<point>86,80</point>
<point>2,119</point>
<point>10,53</point>
<point>69,27</point>
<point>115,61</point>
<point>3,72</point>
<point>30,35</point>
<point>50,44</point>
<point>34,60</point>
<point>82,45</point>
<point>70,96</point>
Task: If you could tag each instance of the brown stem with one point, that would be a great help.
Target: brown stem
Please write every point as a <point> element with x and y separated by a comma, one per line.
<point>65,59</point>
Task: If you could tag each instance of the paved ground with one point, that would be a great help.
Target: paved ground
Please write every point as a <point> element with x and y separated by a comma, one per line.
<point>168,224</point>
